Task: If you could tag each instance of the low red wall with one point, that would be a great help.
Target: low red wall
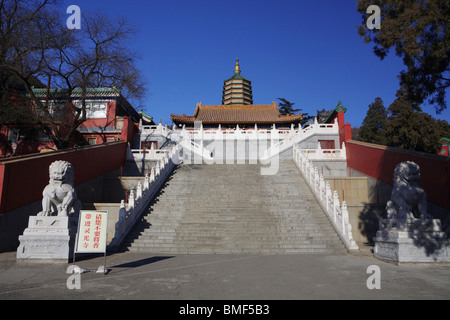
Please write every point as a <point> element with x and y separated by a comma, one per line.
<point>23,179</point>
<point>379,162</point>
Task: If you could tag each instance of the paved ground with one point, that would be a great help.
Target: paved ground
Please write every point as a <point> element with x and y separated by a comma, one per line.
<point>224,277</point>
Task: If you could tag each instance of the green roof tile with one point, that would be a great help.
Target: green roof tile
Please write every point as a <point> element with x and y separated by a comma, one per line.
<point>90,92</point>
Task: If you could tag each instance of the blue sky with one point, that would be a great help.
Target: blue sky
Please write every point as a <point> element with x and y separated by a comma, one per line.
<point>308,52</point>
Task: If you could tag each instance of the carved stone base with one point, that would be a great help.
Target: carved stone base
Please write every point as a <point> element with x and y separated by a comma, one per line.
<point>411,240</point>
<point>47,238</point>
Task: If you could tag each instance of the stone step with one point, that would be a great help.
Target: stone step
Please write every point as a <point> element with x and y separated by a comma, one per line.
<point>233,209</point>
<point>233,250</point>
<point>186,241</point>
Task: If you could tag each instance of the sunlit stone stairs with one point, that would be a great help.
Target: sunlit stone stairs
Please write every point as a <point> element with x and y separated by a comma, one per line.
<point>234,209</point>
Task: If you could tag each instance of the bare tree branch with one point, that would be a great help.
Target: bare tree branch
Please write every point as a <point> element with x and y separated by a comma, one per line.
<point>36,45</point>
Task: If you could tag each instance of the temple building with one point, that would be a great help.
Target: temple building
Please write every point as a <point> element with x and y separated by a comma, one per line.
<point>109,117</point>
<point>237,109</point>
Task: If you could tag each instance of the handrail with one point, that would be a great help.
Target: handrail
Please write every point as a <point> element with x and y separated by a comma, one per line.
<point>148,154</point>
<point>320,154</point>
<point>294,138</point>
<point>184,140</point>
<point>140,198</point>
<point>336,213</point>
<point>191,139</point>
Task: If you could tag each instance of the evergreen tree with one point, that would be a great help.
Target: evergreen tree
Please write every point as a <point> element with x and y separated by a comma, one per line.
<point>373,126</point>
<point>407,128</point>
<point>286,107</point>
<point>419,32</point>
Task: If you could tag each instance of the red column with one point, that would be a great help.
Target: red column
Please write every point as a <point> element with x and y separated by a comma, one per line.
<point>345,129</point>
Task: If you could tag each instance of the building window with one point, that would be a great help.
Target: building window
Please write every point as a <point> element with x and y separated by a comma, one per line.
<point>119,122</point>
<point>94,109</point>
<point>92,140</point>
<point>56,108</point>
<point>13,136</point>
<point>326,144</point>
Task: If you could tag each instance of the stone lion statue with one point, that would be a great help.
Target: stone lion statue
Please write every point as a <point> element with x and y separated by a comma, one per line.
<point>59,196</point>
<point>408,198</point>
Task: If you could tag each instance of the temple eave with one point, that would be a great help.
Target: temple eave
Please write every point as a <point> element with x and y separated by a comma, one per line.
<point>191,120</point>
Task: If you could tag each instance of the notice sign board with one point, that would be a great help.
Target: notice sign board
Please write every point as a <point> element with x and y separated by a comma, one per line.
<point>92,227</point>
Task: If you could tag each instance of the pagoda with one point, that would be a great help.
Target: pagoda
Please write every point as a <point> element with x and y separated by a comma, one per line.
<point>237,109</point>
<point>237,89</point>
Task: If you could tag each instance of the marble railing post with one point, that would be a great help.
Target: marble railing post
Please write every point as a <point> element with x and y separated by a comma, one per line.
<point>329,201</point>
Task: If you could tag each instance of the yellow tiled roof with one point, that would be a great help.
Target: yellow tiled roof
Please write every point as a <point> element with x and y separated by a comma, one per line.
<point>237,113</point>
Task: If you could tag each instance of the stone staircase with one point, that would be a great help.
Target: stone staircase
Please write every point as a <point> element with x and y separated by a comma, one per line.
<point>233,209</point>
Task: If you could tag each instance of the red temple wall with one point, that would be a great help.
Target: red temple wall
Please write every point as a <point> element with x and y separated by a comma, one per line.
<point>23,179</point>
<point>379,162</point>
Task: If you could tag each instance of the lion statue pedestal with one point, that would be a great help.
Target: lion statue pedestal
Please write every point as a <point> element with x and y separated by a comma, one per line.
<point>410,234</point>
<point>47,238</point>
<point>51,234</point>
<point>411,240</point>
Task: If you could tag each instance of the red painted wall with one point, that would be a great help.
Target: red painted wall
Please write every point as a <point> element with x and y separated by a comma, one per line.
<point>23,179</point>
<point>345,129</point>
<point>109,121</point>
<point>129,130</point>
<point>345,133</point>
<point>341,118</point>
<point>22,147</point>
<point>379,162</point>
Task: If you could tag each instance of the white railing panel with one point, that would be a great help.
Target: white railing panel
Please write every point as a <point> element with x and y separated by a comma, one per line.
<point>140,198</point>
<point>336,213</point>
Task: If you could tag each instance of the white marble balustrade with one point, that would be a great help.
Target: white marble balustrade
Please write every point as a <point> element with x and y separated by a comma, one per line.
<point>337,213</point>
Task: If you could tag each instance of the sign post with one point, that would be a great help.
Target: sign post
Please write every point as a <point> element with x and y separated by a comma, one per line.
<point>92,233</point>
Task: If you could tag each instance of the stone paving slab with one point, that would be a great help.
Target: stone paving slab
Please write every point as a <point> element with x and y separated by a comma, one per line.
<point>144,276</point>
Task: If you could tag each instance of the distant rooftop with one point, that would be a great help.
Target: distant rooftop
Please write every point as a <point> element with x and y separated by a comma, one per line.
<point>77,92</point>
<point>237,113</point>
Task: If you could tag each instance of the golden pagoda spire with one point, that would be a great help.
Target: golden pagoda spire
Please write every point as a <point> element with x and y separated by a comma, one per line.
<point>237,69</point>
